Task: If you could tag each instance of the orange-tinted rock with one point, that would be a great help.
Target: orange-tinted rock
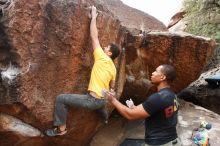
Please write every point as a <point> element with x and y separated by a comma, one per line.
<point>186,52</point>
<point>50,53</point>
<point>176,18</point>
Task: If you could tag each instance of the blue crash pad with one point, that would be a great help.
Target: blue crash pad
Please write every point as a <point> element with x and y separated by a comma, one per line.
<point>214,78</point>
<point>214,81</point>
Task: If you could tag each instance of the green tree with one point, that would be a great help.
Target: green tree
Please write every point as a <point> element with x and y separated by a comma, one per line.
<point>203,18</point>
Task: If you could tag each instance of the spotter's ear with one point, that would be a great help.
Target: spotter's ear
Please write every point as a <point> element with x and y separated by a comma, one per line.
<point>163,77</point>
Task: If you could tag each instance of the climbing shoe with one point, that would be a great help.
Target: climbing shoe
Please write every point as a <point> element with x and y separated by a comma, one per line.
<point>55,132</point>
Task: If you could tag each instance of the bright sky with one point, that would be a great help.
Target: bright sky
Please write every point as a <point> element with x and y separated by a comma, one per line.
<point>163,10</point>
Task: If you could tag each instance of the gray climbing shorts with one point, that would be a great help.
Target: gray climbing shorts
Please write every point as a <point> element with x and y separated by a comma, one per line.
<point>63,101</point>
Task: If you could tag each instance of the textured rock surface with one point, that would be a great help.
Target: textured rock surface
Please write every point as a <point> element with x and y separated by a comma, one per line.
<point>201,93</point>
<point>133,18</point>
<point>176,18</point>
<point>179,49</point>
<point>202,18</point>
<point>9,123</point>
<point>189,118</point>
<point>45,50</point>
<point>51,40</point>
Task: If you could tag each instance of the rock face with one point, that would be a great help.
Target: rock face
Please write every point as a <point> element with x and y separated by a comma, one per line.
<point>202,18</point>
<point>177,24</point>
<point>45,50</point>
<point>155,48</point>
<point>132,18</point>
<point>202,93</point>
<point>9,123</point>
<point>176,18</point>
<point>50,40</point>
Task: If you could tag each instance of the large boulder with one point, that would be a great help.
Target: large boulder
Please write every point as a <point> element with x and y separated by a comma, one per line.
<point>46,50</point>
<point>188,53</point>
<point>51,43</point>
<point>177,24</point>
<point>201,18</point>
<point>134,19</point>
<point>202,93</point>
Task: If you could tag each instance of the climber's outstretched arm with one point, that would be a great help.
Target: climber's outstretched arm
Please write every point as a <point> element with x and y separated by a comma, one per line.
<point>93,28</point>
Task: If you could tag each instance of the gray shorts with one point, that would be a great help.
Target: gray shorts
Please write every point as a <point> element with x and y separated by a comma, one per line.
<point>175,142</point>
<point>63,101</point>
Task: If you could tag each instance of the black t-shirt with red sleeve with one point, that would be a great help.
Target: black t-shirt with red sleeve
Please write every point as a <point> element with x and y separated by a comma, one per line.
<point>160,127</point>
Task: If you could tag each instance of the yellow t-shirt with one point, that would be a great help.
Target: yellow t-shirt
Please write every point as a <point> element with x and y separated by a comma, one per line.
<point>103,72</point>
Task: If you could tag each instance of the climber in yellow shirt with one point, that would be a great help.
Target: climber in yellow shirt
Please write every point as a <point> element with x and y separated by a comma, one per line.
<point>102,78</point>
